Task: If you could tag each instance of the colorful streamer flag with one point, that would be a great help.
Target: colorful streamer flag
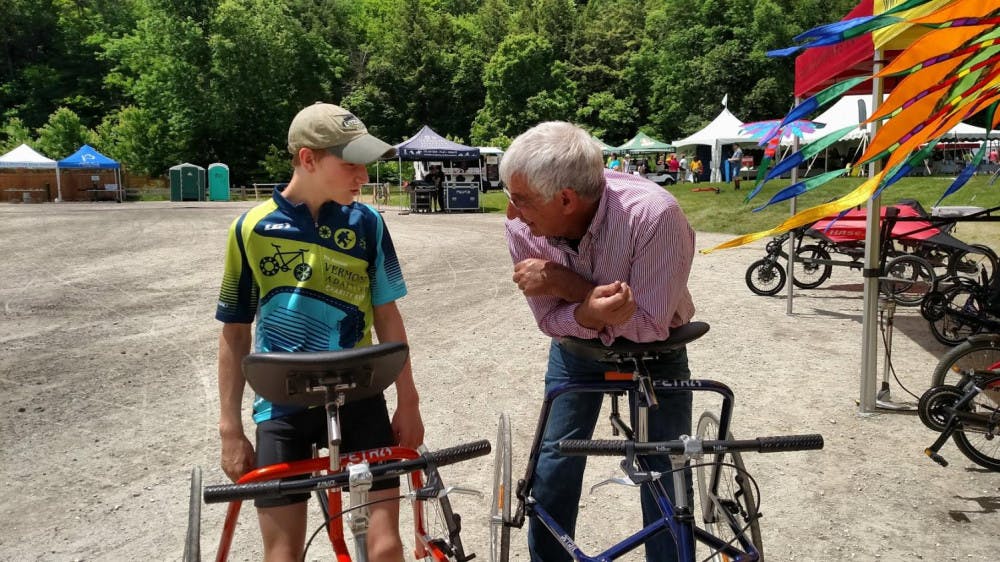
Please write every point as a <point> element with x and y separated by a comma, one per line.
<point>948,74</point>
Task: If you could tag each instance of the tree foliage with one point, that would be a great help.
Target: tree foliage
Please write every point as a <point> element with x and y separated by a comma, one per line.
<point>154,83</point>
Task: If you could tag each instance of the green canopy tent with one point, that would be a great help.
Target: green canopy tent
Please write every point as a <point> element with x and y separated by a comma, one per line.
<point>605,147</point>
<point>643,143</point>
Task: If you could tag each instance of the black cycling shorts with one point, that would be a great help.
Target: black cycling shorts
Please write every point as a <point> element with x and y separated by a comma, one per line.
<point>363,425</point>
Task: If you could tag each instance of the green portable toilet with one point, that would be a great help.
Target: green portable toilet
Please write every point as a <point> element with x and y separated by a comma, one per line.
<point>187,182</point>
<point>218,182</point>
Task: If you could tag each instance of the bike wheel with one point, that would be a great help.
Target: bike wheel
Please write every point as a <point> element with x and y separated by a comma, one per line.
<point>192,543</point>
<point>765,277</point>
<point>438,526</point>
<point>981,353</point>
<point>962,310</point>
<point>731,509</point>
<point>500,501</point>
<point>973,265</point>
<point>907,279</point>
<point>811,275</point>
<point>980,442</point>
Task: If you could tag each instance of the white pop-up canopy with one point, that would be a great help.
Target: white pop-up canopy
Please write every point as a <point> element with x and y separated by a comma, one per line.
<point>724,129</point>
<point>25,157</point>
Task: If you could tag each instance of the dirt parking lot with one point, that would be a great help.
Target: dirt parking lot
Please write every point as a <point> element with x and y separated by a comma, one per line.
<point>107,382</point>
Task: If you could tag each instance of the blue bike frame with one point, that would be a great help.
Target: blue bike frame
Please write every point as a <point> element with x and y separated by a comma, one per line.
<point>680,525</point>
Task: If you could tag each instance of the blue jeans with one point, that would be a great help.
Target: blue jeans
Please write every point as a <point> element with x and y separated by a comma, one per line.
<point>559,480</point>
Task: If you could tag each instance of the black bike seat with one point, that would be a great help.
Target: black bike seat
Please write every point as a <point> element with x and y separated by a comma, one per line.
<point>301,379</point>
<point>595,348</point>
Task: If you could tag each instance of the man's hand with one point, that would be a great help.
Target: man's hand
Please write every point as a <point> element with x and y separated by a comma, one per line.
<point>537,277</point>
<point>407,426</point>
<point>238,457</point>
<point>606,305</point>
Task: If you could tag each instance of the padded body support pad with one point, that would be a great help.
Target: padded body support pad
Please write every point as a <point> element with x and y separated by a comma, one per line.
<point>595,349</point>
<point>301,379</point>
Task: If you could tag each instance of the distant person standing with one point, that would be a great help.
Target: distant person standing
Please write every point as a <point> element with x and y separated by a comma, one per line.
<point>673,167</point>
<point>735,163</point>
<point>615,164</point>
<point>695,169</point>
<point>685,168</point>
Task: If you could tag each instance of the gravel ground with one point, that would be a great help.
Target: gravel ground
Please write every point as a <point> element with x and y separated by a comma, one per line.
<point>107,375</point>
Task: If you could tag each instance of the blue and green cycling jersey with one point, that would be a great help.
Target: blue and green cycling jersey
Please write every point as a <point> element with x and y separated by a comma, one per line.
<point>310,285</point>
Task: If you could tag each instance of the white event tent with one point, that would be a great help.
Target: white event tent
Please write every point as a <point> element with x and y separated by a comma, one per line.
<point>26,157</point>
<point>725,129</point>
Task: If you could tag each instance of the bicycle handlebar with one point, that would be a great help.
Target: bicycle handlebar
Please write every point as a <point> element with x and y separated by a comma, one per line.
<point>613,448</point>
<point>278,488</point>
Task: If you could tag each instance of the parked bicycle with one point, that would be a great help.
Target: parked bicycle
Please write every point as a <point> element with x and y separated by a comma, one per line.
<point>331,379</point>
<point>724,515</point>
<point>964,308</point>
<point>964,402</point>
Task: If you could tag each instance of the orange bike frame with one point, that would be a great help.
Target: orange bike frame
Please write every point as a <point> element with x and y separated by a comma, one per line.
<point>319,465</point>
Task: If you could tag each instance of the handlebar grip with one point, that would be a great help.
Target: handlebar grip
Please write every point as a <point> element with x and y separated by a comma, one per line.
<point>790,443</point>
<point>237,492</point>
<point>459,453</point>
<point>595,447</point>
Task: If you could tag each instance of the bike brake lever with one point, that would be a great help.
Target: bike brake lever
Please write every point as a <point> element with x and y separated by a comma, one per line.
<point>431,492</point>
<point>614,480</point>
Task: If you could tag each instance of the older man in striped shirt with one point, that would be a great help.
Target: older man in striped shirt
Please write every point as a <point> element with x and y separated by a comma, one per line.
<point>598,254</point>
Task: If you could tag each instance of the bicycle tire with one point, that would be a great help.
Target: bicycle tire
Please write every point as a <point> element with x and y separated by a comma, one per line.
<point>981,445</point>
<point>811,275</point>
<point>962,308</point>
<point>765,277</point>
<point>500,507</point>
<point>979,352</point>
<point>735,504</point>
<point>192,541</point>
<point>971,265</point>
<point>907,279</point>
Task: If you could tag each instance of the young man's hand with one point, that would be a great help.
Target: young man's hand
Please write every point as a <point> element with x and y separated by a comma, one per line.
<point>606,305</point>
<point>407,426</point>
<point>238,457</point>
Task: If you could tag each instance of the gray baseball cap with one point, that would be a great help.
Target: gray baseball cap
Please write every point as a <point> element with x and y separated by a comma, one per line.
<point>331,127</point>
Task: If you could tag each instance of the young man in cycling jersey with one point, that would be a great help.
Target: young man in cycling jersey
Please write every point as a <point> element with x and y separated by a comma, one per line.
<point>344,285</point>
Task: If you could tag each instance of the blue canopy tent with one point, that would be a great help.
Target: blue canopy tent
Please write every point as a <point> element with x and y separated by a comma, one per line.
<point>87,158</point>
<point>460,194</point>
<point>428,145</point>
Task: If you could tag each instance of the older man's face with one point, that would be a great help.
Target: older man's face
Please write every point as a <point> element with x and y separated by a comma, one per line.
<point>544,218</point>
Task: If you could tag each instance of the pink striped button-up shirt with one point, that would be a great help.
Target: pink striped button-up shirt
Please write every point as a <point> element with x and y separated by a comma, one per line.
<point>639,235</point>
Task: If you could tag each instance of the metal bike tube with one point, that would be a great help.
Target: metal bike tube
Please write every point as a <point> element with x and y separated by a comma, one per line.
<point>685,541</point>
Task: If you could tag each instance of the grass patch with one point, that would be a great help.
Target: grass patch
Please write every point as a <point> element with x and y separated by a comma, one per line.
<point>727,213</point>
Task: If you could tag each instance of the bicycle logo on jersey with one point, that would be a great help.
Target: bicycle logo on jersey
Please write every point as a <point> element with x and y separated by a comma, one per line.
<point>283,261</point>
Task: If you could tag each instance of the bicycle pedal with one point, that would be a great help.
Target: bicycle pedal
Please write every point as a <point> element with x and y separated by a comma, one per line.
<point>936,457</point>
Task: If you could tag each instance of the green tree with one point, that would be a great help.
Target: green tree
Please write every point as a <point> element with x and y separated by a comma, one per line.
<point>63,134</point>
<point>127,136</point>
<point>13,134</point>
<point>524,85</point>
<point>161,66</point>
<point>265,66</point>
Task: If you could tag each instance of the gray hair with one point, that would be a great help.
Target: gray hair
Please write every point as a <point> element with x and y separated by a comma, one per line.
<point>554,155</point>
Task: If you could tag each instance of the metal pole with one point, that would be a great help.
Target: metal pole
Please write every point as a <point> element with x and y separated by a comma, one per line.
<point>791,210</point>
<point>869,315</point>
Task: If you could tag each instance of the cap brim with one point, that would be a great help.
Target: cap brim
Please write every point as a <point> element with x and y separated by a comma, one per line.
<point>363,150</point>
